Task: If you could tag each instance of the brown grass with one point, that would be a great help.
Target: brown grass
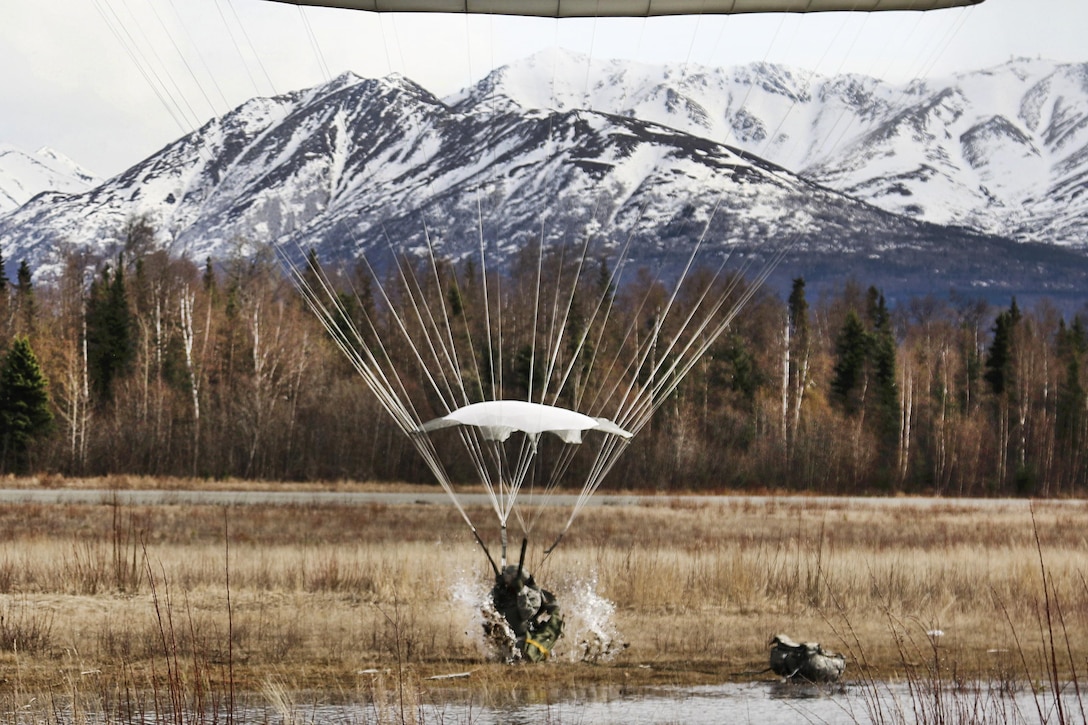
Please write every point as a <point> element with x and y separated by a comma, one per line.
<point>132,607</point>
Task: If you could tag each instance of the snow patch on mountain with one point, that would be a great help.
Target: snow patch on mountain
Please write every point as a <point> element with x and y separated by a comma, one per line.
<point>23,175</point>
<point>992,149</point>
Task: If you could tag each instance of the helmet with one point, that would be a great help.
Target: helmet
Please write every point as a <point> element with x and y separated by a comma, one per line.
<point>529,601</point>
<point>509,575</point>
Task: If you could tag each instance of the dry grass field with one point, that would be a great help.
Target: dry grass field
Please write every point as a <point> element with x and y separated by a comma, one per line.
<point>112,607</point>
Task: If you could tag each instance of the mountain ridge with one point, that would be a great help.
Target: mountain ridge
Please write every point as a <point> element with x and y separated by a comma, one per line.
<point>347,166</point>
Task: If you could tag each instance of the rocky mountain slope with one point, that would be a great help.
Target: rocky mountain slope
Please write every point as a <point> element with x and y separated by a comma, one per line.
<point>1002,150</point>
<point>382,167</point>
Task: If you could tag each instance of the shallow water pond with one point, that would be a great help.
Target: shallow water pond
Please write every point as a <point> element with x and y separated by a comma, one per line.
<point>758,702</point>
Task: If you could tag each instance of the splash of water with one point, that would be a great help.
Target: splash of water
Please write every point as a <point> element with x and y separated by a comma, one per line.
<point>590,633</point>
<point>484,626</point>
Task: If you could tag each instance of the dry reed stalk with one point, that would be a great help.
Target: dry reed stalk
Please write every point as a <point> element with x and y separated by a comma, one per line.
<point>326,592</point>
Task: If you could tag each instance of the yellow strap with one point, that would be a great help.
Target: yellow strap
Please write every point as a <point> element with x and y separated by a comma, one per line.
<point>543,650</point>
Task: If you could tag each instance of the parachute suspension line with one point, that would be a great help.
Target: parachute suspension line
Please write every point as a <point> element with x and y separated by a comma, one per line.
<point>526,455</point>
<point>592,47</point>
<point>664,375</point>
<point>679,368</point>
<point>950,34</point>
<point>659,363</point>
<point>638,406</point>
<point>185,61</point>
<point>445,334</point>
<point>536,312</point>
<point>238,48</point>
<point>691,43</point>
<point>498,329</point>
<point>905,39</point>
<point>555,324</point>
<point>177,96</point>
<point>819,151</point>
<point>479,456</point>
<point>635,363</point>
<point>387,51</point>
<point>329,310</point>
<point>440,355</point>
<point>120,33</point>
<point>321,64</point>
<point>366,364</point>
<point>660,316</point>
<point>561,329</point>
<point>557,474</point>
<point>245,35</point>
<point>604,308</point>
<point>808,79</point>
<point>611,450</point>
<point>401,323</point>
<point>487,304</point>
<point>200,56</point>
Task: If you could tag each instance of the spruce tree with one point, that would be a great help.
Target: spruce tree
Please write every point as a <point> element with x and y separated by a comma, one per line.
<point>882,352</point>
<point>1072,401</point>
<point>208,279</point>
<point>110,344</point>
<point>851,355</point>
<point>25,415</point>
<point>999,362</point>
<point>5,304</point>
<point>24,298</point>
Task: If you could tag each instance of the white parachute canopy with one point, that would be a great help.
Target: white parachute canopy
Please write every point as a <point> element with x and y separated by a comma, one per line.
<point>630,8</point>
<point>497,419</point>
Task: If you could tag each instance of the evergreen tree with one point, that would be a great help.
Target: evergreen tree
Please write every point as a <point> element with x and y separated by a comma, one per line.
<point>851,353</point>
<point>999,367</point>
<point>1072,397</point>
<point>865,372</point>
<point>5,304</point>
<point>208,279</point>
<point>882,353</point>
<point>798,312</point>
<point>24,298</point>
<point>24,404</point>
<point>110,332</point>
<point>744,376</point>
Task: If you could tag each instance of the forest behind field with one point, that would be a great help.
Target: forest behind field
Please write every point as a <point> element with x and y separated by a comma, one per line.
<point>163,366</point>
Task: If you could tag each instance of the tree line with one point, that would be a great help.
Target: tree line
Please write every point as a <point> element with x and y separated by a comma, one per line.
<point>147,363</point>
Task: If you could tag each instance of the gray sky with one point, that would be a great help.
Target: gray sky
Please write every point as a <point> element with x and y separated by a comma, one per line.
<point>109,82</point>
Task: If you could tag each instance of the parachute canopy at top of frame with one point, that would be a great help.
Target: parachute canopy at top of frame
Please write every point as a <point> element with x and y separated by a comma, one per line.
<point>497,419</point>
<point>629,8</point>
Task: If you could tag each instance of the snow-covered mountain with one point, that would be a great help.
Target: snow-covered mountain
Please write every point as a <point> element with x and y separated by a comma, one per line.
<point>381,166</point>
<point>348,165</point>
<point>1002,150</point>
<point>23,176</point>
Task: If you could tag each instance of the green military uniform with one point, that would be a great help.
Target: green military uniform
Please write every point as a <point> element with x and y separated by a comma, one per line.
<point>531,612</point>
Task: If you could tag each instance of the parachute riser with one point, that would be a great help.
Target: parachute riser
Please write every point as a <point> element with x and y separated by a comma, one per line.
<point>491,561</point>
<point>521,558</point>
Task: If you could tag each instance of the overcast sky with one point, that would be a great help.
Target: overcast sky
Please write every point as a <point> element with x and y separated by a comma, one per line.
<point>109,82</point>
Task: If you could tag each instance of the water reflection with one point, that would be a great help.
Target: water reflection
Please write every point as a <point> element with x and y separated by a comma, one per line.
<point>735,704</point>
<point>759,702</point>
